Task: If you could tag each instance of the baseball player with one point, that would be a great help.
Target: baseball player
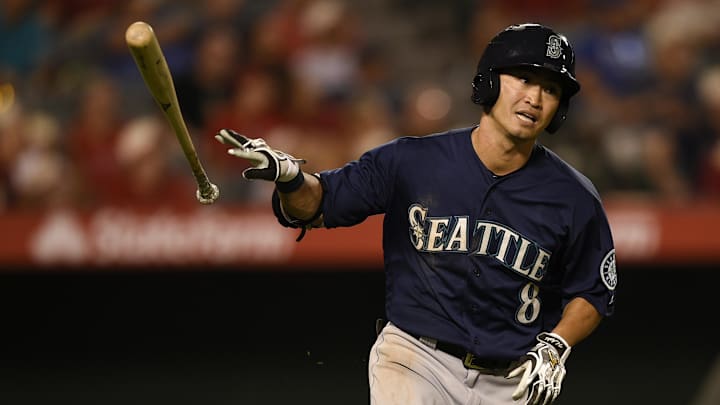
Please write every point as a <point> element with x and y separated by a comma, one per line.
<point>498,254</point>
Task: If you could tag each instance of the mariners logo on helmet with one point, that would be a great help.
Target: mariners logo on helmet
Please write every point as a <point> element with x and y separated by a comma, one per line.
<point>608,272</point>
<point>554,47</point>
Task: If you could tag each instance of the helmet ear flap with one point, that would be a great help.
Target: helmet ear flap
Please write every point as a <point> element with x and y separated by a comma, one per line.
<point>559,117</point>
<point>477,83</point>
<point>485,89</point>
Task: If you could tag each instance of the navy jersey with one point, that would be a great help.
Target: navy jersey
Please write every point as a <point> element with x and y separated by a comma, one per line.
<point>482,261</point>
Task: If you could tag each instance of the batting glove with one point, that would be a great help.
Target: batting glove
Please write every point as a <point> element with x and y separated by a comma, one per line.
<point>542,370</point>
<point>267,164</point>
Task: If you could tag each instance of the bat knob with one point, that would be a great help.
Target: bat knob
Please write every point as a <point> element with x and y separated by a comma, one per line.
<point>208,196</point>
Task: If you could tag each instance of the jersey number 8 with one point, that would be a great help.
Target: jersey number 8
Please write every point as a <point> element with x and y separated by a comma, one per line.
<point>530,304</point>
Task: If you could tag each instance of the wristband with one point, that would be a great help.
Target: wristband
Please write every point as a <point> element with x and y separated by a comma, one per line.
<point>292,185</point>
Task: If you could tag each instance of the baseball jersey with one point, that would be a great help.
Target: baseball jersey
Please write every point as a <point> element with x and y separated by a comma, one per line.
<point>482,261</point>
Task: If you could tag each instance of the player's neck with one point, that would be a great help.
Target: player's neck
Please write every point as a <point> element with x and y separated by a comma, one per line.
<point>500,154</point>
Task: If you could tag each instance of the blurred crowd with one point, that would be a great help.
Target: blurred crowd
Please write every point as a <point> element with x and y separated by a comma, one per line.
<point>326,80</point>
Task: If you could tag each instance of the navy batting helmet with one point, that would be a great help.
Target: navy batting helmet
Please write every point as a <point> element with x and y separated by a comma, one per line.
<point>532,45</point>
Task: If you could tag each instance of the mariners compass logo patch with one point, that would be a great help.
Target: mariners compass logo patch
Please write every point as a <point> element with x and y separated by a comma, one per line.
<point>554,47</point>
<point>608,272</point>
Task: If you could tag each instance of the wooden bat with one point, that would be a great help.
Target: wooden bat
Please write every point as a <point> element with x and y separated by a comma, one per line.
<point>153,67</point>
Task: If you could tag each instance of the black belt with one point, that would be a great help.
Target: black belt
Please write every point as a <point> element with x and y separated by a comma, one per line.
<point>470,360</point>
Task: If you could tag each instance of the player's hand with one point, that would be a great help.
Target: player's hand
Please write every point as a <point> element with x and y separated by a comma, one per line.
<point>267,164</point>
<point>542,370</point>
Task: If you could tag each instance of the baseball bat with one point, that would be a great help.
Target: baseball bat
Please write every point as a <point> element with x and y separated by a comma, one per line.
<point>150,60</point>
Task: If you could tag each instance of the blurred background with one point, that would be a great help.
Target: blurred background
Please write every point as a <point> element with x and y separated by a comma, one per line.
<point>116,287</point>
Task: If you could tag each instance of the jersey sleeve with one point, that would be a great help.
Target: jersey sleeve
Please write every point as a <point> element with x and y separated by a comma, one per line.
<point>590,270</point>
<point>360,188</point>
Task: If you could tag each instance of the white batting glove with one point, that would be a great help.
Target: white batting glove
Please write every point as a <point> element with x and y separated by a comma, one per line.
<point>267,164</point>
<point>542,369</point>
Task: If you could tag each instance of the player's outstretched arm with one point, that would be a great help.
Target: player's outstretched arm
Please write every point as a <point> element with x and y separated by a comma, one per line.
<point>542,369</point>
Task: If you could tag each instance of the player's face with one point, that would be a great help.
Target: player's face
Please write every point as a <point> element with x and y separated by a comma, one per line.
<point>527,102</point>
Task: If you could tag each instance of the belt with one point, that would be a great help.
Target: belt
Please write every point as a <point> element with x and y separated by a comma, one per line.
<point>470,360</point>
